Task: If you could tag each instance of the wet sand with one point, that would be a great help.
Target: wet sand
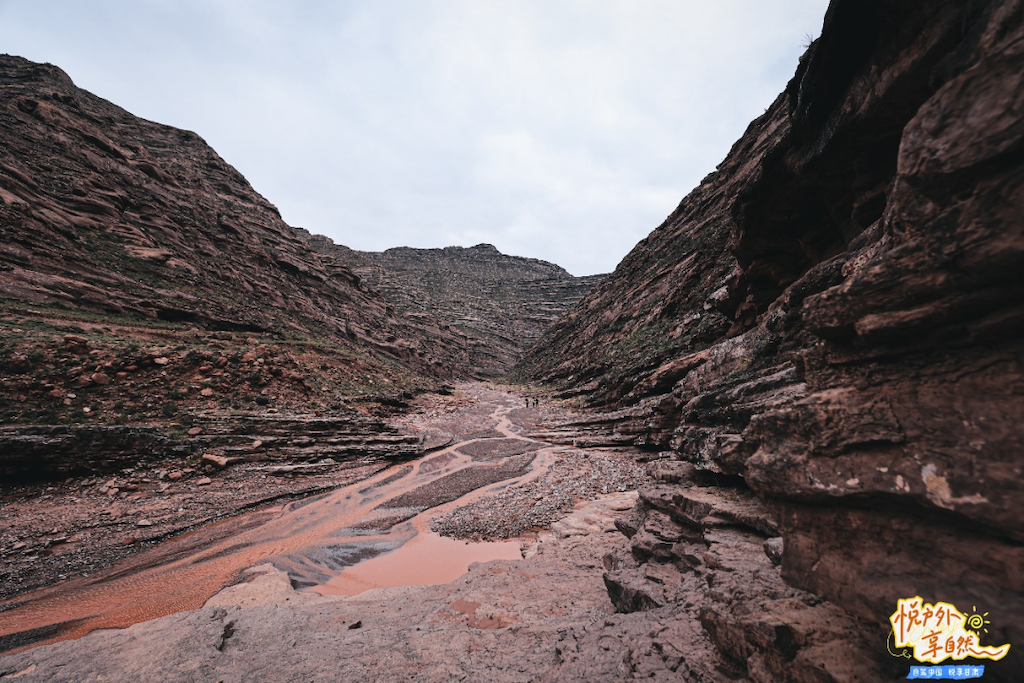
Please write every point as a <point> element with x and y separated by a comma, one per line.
<point>314,541</point>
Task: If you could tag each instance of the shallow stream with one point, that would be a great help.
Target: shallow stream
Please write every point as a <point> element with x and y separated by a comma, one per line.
<point>371,534</point>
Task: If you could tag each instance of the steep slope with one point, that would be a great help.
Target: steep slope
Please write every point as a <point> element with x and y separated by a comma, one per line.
<point>127,233</point>
<point>833,319</point>
<point>502,303</point>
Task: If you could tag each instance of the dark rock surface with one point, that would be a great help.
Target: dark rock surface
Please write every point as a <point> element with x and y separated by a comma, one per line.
<point>63,450</point>
<point>501,303</point>
<point>833,319</point>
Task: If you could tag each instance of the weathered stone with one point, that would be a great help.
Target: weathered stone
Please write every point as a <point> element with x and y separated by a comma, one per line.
<point>773,548</point>
<point>631,592</point>
<point>217,460</point>
<point>843,296</point>
<point>58,451</point>
<point>502,303</point>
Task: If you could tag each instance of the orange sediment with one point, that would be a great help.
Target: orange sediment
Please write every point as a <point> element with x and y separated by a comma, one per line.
<point>184,572</point>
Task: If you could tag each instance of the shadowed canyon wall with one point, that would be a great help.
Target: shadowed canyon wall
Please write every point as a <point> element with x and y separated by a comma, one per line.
<point>833,318</point>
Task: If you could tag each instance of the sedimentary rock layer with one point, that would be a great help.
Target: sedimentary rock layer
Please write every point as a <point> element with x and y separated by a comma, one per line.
<point>501,303</point>
<point>102,211</point>
<point>833,318</point>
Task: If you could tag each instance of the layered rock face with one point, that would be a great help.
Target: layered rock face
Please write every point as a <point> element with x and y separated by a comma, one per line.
<point>833,319</point>
<point>501,303</point>
<point>142,280</point>
<point>104,212</point>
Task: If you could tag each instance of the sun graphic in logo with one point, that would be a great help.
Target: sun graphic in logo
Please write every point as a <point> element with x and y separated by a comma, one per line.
<point>939,632</point>
<point>977,622</point>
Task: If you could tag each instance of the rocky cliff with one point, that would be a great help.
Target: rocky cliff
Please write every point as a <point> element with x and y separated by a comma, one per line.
<point>142,280</point>
<point>833,320</point>
<point>103,212</point>
<point>501,303</point>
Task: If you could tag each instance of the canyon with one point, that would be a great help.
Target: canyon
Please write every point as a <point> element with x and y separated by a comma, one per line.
<point>501,303</point>
<point>794,403</point>
<point>832,322</point>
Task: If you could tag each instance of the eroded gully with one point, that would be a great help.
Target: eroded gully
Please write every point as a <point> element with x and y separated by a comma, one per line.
<point>374,533</point>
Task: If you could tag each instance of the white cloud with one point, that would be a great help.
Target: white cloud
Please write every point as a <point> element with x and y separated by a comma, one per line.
<point>563,130</point>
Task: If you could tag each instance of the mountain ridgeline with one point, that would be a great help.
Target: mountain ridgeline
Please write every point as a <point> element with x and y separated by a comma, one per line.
<point>501,303</point>
<point>140,242</point>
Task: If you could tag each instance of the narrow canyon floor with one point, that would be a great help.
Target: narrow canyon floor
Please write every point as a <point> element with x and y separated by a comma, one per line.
<point>370,536</point>
<point>499,555</point>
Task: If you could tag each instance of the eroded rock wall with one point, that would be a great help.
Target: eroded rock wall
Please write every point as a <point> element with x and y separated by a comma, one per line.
<point>833,318</point>
<point>106,213</point>
<point>501,303</point>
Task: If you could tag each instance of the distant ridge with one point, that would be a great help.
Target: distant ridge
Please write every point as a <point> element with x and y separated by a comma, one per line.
<point>502,303</point>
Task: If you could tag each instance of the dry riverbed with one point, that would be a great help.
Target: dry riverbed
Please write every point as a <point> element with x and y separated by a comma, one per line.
<point>486,479</point>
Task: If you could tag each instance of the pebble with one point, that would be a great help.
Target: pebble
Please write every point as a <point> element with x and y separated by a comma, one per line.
<point>577,475</point>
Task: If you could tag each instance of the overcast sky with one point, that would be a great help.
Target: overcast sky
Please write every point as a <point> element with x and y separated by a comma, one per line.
<point>565,130</point>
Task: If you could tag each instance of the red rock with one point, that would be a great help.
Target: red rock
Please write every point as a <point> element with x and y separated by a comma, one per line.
<point>100,378</point>
<point>218,460</point>
<point>834,317</point>
<point>19,363</point>
<point>217,273</point>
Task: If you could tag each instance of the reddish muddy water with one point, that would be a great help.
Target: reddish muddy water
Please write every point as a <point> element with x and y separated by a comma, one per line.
<point>371,534</point>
